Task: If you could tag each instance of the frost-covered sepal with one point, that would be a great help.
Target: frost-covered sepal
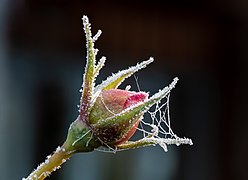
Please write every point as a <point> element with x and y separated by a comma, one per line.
<point>80,138</point>
<point>115,80</point>
<point>91,71</point>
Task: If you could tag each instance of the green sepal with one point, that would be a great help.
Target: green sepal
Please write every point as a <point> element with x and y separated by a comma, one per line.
<point>80,138</point>
<point>135,144</point>
<point>115,80</point>
<point>89,79</point>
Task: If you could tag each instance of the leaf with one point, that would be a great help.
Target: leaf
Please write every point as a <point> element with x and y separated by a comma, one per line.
<point>115,80</point>
<point>89,78</point>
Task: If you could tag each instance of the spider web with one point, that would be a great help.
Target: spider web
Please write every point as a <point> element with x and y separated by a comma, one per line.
<point>159,125</point>
<point>156,129</point>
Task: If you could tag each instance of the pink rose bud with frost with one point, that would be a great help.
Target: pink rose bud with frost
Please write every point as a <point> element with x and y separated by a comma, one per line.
<point>110,103</point>
<point>109,116</point>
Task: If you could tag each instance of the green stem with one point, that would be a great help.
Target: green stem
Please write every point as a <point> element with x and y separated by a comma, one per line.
<point>52,163</point>
<point>79,139</point>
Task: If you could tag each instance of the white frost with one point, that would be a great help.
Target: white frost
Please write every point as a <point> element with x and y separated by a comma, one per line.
<point>98,34</point>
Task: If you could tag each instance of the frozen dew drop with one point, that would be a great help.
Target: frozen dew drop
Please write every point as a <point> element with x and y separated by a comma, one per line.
<point>128,87</point>
<point>164,146</point>
<point>47,161</point>
<point>96,51</point>
<point>58,149</point>
<point>98,34</point>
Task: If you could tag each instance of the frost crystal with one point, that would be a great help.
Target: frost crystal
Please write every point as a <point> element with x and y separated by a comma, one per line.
<point>58,149</point>
<point>46,161</point>
<point>98,34</point>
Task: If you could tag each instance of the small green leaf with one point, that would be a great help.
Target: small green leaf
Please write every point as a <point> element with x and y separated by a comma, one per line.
<point>89,75</point>
<point>80,138</point>
<point>115,80</point>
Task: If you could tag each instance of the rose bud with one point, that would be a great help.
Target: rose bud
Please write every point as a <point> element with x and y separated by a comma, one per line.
<point>110,103</point>
<point>109,116</point>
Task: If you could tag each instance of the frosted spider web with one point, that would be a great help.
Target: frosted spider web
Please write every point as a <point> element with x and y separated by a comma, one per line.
<point>156,128</point>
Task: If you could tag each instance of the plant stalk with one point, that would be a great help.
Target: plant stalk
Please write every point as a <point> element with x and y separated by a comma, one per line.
<point>51,164</point>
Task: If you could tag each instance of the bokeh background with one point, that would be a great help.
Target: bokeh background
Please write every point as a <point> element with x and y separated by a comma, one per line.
<point>204,43</point>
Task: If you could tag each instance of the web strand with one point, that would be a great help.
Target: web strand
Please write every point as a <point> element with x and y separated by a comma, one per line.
<point>156,129</point>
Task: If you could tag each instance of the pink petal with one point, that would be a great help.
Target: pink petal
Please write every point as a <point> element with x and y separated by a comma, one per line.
<point>134,99</point>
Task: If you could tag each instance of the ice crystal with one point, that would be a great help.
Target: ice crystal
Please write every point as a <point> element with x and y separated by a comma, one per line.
<point>98,34</point>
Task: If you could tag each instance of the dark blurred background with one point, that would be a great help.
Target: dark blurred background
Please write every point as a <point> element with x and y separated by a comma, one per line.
<point>204,43</point>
